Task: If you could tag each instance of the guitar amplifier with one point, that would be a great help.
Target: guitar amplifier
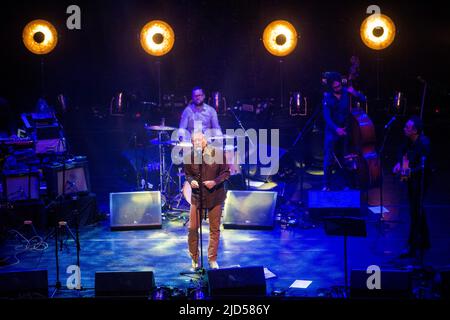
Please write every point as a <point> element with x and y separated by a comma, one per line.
<point>21,185</point>
<point>49,139</point>
<point>69,178</point>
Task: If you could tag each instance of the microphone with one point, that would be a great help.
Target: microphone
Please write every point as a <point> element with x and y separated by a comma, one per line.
<point>198,150</point>
<point>390,122</point>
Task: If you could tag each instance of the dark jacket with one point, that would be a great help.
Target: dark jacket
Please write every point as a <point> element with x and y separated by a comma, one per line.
<point>415,151</point>
<point>336,112</point>
<point>215,171</point>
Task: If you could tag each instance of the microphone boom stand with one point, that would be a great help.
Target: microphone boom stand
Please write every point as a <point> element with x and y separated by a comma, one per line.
<point>300,137</point>
<point>251,145</point>
<point>386,131</point>
<point>200,215</point>
<point>200,270</point>
<point>421,212</point>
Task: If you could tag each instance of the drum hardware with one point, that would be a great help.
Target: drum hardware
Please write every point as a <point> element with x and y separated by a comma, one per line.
<point>156,141</point>
<point>183,144</point>
<point>398,104</point>
<point>165,177</point>
<point>298,105</point>
<point>119,104</point>
<point>218,102</point>
<point>184,191</point>
<point>159,128</point>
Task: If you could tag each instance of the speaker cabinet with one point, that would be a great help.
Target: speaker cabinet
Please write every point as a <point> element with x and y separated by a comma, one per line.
<point>21,185</point>
<point>24,284</point>
<point>135,210</point>
<point>249,209</point>
<point>124,284</point>
<point>334,203</point>
<point>248,281</point>
<point>71,178</point>
<point>445,283</point>
<point>393,284</point>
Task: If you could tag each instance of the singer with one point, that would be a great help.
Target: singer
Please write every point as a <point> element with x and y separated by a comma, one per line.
<point>414,158</point>
<point>206,179</point>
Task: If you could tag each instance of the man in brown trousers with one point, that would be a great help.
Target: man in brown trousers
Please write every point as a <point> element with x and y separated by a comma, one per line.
<point>206,176</point>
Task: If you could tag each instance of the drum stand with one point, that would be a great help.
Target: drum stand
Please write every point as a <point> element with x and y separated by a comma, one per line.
<point>179,197</point>
<point>381,221</point>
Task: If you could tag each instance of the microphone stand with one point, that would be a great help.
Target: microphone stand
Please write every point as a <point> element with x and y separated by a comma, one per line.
<point>381,153</point>
<point>300,137</point>
<point>200,213</point>
<point>306,128</point>
<point>201,270</point>
<point>251,144</point>
<point>424,92</point>
<point>421,211</point>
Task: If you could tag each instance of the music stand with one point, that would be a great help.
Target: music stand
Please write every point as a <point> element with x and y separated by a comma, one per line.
<point>345,226</point>
<point>59,203</point>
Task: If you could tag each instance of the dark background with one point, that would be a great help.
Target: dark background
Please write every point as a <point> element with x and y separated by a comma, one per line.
<point>218,46</point>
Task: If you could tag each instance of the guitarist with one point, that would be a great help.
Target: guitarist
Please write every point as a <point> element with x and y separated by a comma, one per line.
<point>414,158</point>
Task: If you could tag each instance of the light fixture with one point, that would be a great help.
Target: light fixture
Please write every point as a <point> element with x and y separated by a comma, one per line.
<point>280,38</point>
<point>157,38</point>
<point>40,36</point>
<point>377,31</point>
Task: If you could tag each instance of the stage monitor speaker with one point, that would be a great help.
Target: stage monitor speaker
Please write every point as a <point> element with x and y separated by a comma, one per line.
<point>135,210</point>
<point>124,284</point>
<point>445,283</point>
<point>249,209</point>
<point>248,281</point>
<point>334,203</point>
<point>393,284</point>
<point>24,284</point>
<point>21,185</point>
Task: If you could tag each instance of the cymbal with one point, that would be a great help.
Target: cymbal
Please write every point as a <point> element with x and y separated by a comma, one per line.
<point>157,142</point>
<point>221,137</point>
<point>160,128</point>
<point>182,144</point>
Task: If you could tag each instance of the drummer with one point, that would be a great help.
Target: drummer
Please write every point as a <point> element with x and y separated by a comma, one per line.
<point>197,114</point>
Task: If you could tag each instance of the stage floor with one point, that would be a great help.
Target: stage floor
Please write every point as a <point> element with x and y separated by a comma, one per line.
<point>290,252</point>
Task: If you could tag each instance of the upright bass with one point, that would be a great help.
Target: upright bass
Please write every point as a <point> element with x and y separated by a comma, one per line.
<point>363,137</point>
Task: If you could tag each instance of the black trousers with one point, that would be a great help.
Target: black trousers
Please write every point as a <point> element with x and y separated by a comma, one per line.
<point>339,147</point>
<point>419,237</point>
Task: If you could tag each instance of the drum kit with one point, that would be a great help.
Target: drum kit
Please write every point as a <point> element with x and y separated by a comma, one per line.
<point>166,168</point>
